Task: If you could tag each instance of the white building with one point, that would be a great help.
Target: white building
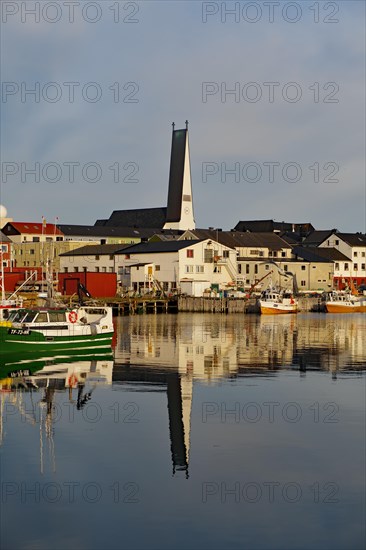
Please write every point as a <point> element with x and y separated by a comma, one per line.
<point>168,264</point>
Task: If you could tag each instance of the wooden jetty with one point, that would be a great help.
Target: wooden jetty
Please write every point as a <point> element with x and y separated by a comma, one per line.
<point>132,305</point>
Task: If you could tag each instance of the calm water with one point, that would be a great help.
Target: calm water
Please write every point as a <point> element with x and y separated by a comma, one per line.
<point>203,431</point>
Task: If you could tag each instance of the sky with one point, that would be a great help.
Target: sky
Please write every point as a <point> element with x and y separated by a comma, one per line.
<point>274,93</point>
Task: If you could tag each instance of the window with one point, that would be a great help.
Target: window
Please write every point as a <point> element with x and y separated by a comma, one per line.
<point>355,254</point>
<point>363,266</point>
<point>4,248</point>
<point>59,239</point>
<point>285,267</point>
<point>208,255</point>
<point>97,270</point>
<point>48,239</point>
<point>255,269</point>
<point>35,239</point>
<point>346,266</point>
<point>104,269</point>
<point>363,254</point>
<point>336,242</point>
<point>225,253</point>
<point>200,269</point>
<point>111,256</point>
<point>189,269</point>
<point>111,270</point>
<point>157,268</point>
<point>66,269</point>
<point>283,254</point>
<point>336,266</point>
<point>190,253</point>
<point>303,283</point>
<point>31,251</point>
<point>239,268</point>
<point>85,269</point>
<point>56,316</point>
<point>267,267</point>
<point>42,318</point>
<point>247,267</point>
<point>76,269</point>
<point>275,254</point>
<point>355,267</point>
<point>303,267</point>
<point>97,257</point>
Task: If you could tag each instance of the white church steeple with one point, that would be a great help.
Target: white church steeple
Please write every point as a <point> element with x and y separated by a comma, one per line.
<point>180,200</point>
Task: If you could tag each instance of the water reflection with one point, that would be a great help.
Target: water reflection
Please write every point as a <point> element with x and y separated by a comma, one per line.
<point>169,418</point>
<point>167,353</point>
<point>212,346</point>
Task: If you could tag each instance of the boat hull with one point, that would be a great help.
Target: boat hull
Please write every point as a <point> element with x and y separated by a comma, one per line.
<point>277,309</point>
<point>35,342</point>
<point>334,307</point>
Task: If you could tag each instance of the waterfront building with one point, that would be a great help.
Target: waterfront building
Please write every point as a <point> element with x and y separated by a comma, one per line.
<point>172,264</point>
<point>353,247</point>
<point>6,250</point>
<point>22,232</point>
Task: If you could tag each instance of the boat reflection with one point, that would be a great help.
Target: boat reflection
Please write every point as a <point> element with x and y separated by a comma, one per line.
<point>30,387</point>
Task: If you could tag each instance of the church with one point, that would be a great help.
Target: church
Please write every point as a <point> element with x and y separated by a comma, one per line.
<point>178,214</point>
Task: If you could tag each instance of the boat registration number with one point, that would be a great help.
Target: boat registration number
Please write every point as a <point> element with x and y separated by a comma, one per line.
<point>18,331</point>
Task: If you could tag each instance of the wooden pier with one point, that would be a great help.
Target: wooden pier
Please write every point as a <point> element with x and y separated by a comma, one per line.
<point>133,305</point>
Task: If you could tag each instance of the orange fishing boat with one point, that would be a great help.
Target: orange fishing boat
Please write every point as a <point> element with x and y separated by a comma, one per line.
<point>345,302</point>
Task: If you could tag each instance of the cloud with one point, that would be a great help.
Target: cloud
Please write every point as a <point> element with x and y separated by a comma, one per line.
<point>168,55</point>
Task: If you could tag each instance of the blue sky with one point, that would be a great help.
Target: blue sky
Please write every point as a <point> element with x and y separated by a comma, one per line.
<point>160,64</point>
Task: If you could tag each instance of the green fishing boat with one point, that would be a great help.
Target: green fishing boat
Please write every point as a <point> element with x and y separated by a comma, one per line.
<point>29,332</point>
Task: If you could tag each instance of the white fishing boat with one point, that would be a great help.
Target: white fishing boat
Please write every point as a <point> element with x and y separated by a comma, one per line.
<point>275,301</point>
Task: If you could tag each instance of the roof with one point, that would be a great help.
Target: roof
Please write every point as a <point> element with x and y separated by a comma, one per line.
<point>159,247</point>
<point>96,250</point>
<point>237,239</point>
<point>168,235</point>
<point>103,231</point>
<point>271,225</point>
<point>320,254</point>
<point>141,217</point>
<point>17,228</point>
<point>4,238</point>
<point>353,239</point>
<point>315,238</point>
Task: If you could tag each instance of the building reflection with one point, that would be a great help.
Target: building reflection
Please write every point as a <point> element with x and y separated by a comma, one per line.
<point>176,351</point>
<point>211,347</point>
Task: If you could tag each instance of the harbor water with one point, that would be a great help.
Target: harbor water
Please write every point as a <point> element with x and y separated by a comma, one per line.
<point>202,431</point>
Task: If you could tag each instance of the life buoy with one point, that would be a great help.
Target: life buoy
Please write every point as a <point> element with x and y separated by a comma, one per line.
<point>73,316</point>
<point>72,380</point>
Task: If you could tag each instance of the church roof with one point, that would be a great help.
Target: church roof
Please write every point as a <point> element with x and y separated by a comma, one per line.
<point>139,217</point>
